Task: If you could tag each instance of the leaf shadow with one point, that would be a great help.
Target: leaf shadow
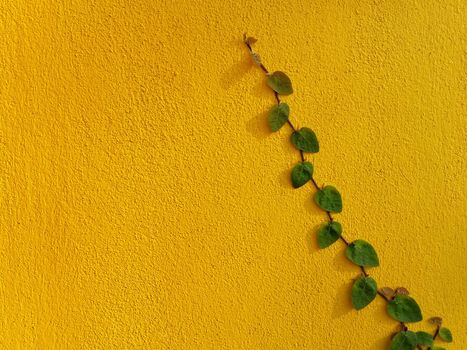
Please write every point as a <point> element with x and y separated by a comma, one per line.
<point>262,90</point>
<point>384,320</point>
<point>382,343</point>
<point>258,126</point>
<point>343,304</point>
<point>235,73</point>
<point>341,263</point>
<point>311,241</point>
<point>284,179</point>
<point>311,206</point>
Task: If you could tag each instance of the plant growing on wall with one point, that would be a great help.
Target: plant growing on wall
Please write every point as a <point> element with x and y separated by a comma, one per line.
<point>399,305</point>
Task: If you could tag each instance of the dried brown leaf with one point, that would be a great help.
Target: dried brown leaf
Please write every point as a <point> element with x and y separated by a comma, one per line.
<point>402,290</point>
<point>387,292</point>
<point>436,320</point>
<point>250,40</point>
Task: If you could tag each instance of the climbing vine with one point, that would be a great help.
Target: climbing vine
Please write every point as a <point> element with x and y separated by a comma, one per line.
<point>399,305</point>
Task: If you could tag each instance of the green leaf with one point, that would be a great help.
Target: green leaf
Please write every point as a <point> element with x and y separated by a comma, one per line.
<point>363,292</point>
<point>445,334</point>
<point>328,234</point>
<point>301,174</point>
<point>280,83</point>
<point>329,199</point>
<point>362,253</point>
<point>278,116</point>
<point>404,309</point>
<point>424,339</point>
<point>405,340</point>
<point>305,140</point>
<point>438,348</point>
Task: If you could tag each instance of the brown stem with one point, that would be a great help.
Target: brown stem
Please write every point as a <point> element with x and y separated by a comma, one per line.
<point>331,219</point>
<point>314,182</point>
<point>435,335</point>
<point>261,65</point>
<point>436,332</point>
<point>344,240</point>
<point>364,271</point>
<point>291,125</point>
<point>276,95</point>
<point>383,296</point>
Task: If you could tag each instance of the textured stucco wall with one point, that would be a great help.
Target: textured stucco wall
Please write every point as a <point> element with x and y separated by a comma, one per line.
<point>144,204</point>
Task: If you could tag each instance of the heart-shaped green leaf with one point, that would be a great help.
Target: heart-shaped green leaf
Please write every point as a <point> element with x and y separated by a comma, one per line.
<point>278,116</point>
<point>405,340</point>
<point>445,334</point>
<point>362,253</point>
<point>280,83</point>
<point>404,309</point>
<point>328,234</point>
<point>363,292</point>
<point>329,199</point>
<point>305,140</point>
<point>424,339</point>
<point>301,174</point>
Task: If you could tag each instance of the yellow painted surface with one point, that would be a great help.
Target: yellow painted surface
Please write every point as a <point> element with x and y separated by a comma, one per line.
<point>145,205</point>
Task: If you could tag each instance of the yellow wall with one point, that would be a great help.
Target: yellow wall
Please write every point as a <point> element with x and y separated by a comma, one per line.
<point>145,205</point>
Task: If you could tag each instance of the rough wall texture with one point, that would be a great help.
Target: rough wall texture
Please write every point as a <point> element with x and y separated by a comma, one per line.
<point>145,205</point>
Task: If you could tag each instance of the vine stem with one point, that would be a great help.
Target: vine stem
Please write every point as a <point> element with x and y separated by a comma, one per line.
<point>387,299</point>
<point>316,186</point>
<point>436,334</point>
